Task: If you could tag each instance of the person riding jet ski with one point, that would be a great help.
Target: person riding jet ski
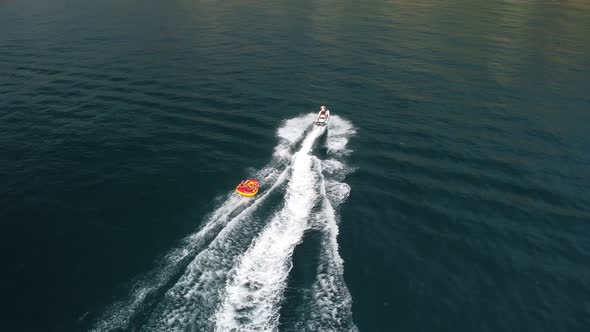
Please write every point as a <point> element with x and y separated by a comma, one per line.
<point>323,116</point>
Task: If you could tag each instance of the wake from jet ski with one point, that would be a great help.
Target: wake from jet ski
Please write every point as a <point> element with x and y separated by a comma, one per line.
<point>331,307</point>
<point>253,295</point>
<point>231,275</point>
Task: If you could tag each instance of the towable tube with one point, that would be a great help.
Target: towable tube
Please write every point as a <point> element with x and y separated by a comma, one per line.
<point>248,188</point>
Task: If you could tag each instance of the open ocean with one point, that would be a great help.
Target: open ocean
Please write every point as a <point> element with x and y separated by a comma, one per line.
<point>450,190</point>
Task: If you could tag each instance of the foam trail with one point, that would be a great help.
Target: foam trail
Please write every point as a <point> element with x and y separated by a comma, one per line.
<point>331,307</point>
<point>328,304</point>
<point>290,133</point>
<point>145,290</point>
<point>338,136</point>
<point>192,300</point>
<point>252,296</point>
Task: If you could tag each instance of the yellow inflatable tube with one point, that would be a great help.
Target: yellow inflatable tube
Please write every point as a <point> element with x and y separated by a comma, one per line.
<point>248,188</point>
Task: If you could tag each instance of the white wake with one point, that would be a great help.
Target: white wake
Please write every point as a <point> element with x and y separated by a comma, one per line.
<point>331,307</point>
<point>252,297</point>
<point>254,294</point>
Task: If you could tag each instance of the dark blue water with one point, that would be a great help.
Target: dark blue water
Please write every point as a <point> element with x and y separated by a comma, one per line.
<point>450,191</point>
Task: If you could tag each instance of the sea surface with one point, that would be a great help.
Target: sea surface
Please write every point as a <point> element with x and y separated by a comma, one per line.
<point>450,190</point>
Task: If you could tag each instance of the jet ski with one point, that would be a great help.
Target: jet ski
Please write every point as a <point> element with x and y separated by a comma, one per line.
<point>248,187</point>
<point>323,116</point>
